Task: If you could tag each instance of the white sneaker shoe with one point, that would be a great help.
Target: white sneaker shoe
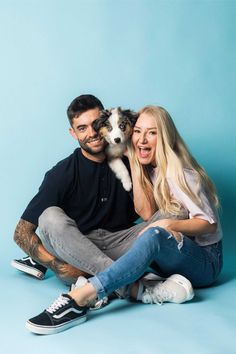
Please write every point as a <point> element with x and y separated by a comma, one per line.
<point>95,304</point>
<point>176,288</point>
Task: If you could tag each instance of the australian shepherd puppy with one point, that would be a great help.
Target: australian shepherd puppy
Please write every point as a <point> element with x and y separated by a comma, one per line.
<point>116,126</point>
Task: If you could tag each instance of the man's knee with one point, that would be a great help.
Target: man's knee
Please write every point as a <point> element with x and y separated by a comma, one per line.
<point>49,217</point>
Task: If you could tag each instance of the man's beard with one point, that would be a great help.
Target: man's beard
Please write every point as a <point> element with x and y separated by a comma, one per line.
<point>85,147</point>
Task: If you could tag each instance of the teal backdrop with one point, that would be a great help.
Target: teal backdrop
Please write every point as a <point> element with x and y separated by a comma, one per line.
<point>178,54</point>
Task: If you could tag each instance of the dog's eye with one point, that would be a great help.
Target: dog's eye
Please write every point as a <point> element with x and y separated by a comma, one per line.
<point>122,126</point>
<point>109,128</point>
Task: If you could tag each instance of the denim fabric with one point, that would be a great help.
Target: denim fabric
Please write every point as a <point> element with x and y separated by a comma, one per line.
<point>92,252</point>
<point>200,264</point>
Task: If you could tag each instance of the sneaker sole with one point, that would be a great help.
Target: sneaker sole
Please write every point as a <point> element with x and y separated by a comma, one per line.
<point>56,329</point>
<point>26,269</point>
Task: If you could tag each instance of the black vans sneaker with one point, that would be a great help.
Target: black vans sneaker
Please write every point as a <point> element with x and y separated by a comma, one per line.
<point>61,315</point>
<point>29,266</point>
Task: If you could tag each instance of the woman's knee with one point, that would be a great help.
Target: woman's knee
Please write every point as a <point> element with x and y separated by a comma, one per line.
<point>155,231</point>
<point>153,236</point>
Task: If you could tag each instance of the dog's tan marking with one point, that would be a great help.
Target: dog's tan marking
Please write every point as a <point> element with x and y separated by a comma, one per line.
<point>103,132</point>
<point>128,131</point>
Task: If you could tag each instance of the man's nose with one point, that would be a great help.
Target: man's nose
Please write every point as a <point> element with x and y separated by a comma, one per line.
<point>92,132</point>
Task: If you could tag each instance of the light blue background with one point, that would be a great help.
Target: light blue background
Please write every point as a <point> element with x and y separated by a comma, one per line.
<point>178,54</point>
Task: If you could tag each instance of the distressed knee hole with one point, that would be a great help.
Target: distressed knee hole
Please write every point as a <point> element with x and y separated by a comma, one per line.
<point>179,237</point>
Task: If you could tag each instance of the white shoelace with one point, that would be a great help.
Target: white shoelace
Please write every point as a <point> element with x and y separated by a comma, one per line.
<point>58,303</point>
<point>159,295</point>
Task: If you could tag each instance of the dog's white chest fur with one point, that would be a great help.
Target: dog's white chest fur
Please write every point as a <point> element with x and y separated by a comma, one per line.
<point>115,126</point>
<point>121,172</point>
<point>117,145</point>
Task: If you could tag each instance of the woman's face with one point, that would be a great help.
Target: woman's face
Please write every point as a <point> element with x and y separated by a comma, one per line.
<point>144,139</point>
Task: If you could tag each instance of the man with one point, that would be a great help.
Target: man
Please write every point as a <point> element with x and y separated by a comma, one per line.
<point>83,213</point>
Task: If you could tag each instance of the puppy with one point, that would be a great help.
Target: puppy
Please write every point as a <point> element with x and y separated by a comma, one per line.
<point>116,126</point>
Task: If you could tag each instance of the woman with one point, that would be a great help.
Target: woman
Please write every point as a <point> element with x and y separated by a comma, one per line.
<point>182,241</point>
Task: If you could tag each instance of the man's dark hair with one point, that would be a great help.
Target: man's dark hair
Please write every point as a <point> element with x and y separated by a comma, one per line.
<point>82,104</point>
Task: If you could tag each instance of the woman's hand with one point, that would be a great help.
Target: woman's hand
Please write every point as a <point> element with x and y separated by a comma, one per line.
<point>191,227</point>
<point>164,223</point>
<point>144,202</point>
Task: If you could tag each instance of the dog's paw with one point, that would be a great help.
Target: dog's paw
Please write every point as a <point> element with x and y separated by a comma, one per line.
<point>127,185</point>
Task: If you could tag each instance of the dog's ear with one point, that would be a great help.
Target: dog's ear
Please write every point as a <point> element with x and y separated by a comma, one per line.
<point>131,116</point>
<point>105,113</point>
<point>100,121</point>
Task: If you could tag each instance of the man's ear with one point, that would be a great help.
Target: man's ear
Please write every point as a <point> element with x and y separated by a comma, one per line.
<point>72,133</point>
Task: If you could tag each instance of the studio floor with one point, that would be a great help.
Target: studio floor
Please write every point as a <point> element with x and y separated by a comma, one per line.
<point>206,325</point>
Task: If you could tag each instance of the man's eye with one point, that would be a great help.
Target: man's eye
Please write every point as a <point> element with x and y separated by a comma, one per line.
<point>153,132</point>
<point>136,131</point>
<point>81,129</point>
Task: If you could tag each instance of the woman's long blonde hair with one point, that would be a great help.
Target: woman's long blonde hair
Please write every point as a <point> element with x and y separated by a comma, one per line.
<point>172,156</point>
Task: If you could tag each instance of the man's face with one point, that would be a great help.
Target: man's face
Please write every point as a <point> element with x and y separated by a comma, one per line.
<point>91,144</point>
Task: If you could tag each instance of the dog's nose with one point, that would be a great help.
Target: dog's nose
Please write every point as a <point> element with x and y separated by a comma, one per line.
<point>117,140</point>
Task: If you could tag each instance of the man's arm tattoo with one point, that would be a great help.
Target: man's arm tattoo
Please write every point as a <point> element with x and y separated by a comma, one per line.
<point>26,238</point>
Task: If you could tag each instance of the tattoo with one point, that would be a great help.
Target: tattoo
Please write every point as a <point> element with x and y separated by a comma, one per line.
<point>65,271</point>
<point>58,267</point>
<point>30,243</point>
<point>26,238</point>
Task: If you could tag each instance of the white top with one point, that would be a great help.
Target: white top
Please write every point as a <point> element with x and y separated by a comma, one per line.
<point>206,211</point>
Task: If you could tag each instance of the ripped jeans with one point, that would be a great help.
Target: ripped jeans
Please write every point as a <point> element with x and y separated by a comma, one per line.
<point>158,249</point>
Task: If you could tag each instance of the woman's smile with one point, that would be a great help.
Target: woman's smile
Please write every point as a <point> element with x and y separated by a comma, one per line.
<point>145,139</point>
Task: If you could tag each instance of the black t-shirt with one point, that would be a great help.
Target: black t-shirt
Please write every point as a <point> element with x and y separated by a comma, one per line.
<point>88,192</point>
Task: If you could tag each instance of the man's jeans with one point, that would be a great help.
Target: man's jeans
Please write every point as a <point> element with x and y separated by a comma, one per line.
<point>200,264</point>
<point>90,253</point>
